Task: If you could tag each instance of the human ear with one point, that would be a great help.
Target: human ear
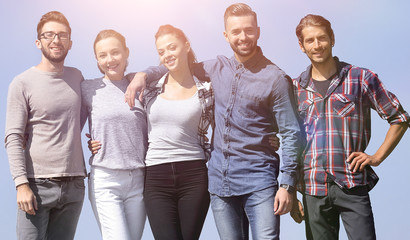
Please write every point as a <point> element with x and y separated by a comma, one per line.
<point>302,47</point>
<point>70,44</point>
<point>127,52</point>
<point>38,43</point>
<point>226,36</point>
<point>188,46</point>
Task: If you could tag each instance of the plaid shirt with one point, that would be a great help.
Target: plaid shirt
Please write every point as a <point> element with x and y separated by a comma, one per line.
<point>339,123</point>
<point>206,99</point>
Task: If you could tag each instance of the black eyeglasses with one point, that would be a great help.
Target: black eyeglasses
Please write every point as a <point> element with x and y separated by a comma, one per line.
<point>49,36</point>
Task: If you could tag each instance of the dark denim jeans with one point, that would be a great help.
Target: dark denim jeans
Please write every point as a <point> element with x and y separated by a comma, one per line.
<point>59,208</point>
<point>176,199</point>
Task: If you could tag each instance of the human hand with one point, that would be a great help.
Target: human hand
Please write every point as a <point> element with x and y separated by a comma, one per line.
<point>93,145</point>
<point>359,160</point>
<point>274,141</point>
<point>297,211</point>
<point>26,200</point>
<point>283,202</point>
<point>137,84</point>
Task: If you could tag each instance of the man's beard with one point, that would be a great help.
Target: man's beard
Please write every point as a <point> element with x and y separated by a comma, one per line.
<point>48,55</point>
<point>244,53</point>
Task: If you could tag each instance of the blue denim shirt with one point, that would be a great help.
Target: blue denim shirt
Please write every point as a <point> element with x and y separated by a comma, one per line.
<point>252,101</point>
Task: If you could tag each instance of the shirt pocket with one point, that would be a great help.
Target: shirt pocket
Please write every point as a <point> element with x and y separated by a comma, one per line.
<point>251,105</point>
<point>344,104</point>
<point>307,113</point>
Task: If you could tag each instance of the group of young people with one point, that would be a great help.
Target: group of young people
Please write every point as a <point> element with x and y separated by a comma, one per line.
<point>152,157</point>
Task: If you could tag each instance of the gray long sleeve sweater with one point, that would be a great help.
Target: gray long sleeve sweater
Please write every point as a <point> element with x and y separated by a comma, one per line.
<point>44,108</point>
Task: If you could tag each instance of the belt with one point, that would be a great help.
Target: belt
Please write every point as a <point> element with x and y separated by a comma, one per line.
<point>63,179</point>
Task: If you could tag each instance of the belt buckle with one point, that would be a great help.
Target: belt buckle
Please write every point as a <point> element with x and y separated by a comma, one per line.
<point>55,179</point>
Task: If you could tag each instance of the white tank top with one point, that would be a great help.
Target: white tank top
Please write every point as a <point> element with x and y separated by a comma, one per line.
<point>173,130</point>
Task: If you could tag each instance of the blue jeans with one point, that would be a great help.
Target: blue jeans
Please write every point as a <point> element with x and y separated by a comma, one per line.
<point>232,215</point>
<point>59,208</point>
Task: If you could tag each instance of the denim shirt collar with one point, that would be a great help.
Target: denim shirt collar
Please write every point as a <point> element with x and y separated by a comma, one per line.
<point>342,69</point>
<point>250,63</point>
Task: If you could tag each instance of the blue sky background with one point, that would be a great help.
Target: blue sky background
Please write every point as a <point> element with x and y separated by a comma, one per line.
<point>369,33</point>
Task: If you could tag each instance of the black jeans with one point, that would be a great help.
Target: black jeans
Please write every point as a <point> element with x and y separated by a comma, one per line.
<point>176,199</point>
<point>353,205</point>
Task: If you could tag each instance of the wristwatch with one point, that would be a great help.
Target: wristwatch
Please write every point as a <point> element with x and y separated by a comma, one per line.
<point>288,188</point>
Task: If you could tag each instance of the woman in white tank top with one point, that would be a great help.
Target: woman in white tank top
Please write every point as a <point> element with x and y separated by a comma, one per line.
<point>179,111</point>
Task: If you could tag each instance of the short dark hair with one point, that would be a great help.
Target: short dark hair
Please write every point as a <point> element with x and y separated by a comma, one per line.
<point>239,10</point>
<point>314,20</point>
<point>178,33</point>
<point>53,16</point>
<point>107,34</point>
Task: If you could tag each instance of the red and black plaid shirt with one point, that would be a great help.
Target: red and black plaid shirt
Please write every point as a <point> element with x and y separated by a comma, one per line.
<point>338,124</point>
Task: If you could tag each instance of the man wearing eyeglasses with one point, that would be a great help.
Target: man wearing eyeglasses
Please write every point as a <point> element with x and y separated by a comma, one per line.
<point>43,138</point>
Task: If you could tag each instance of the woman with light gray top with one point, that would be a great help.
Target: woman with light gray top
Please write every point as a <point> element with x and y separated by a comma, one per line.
<point>116,180</point>
<point>179,109</point>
